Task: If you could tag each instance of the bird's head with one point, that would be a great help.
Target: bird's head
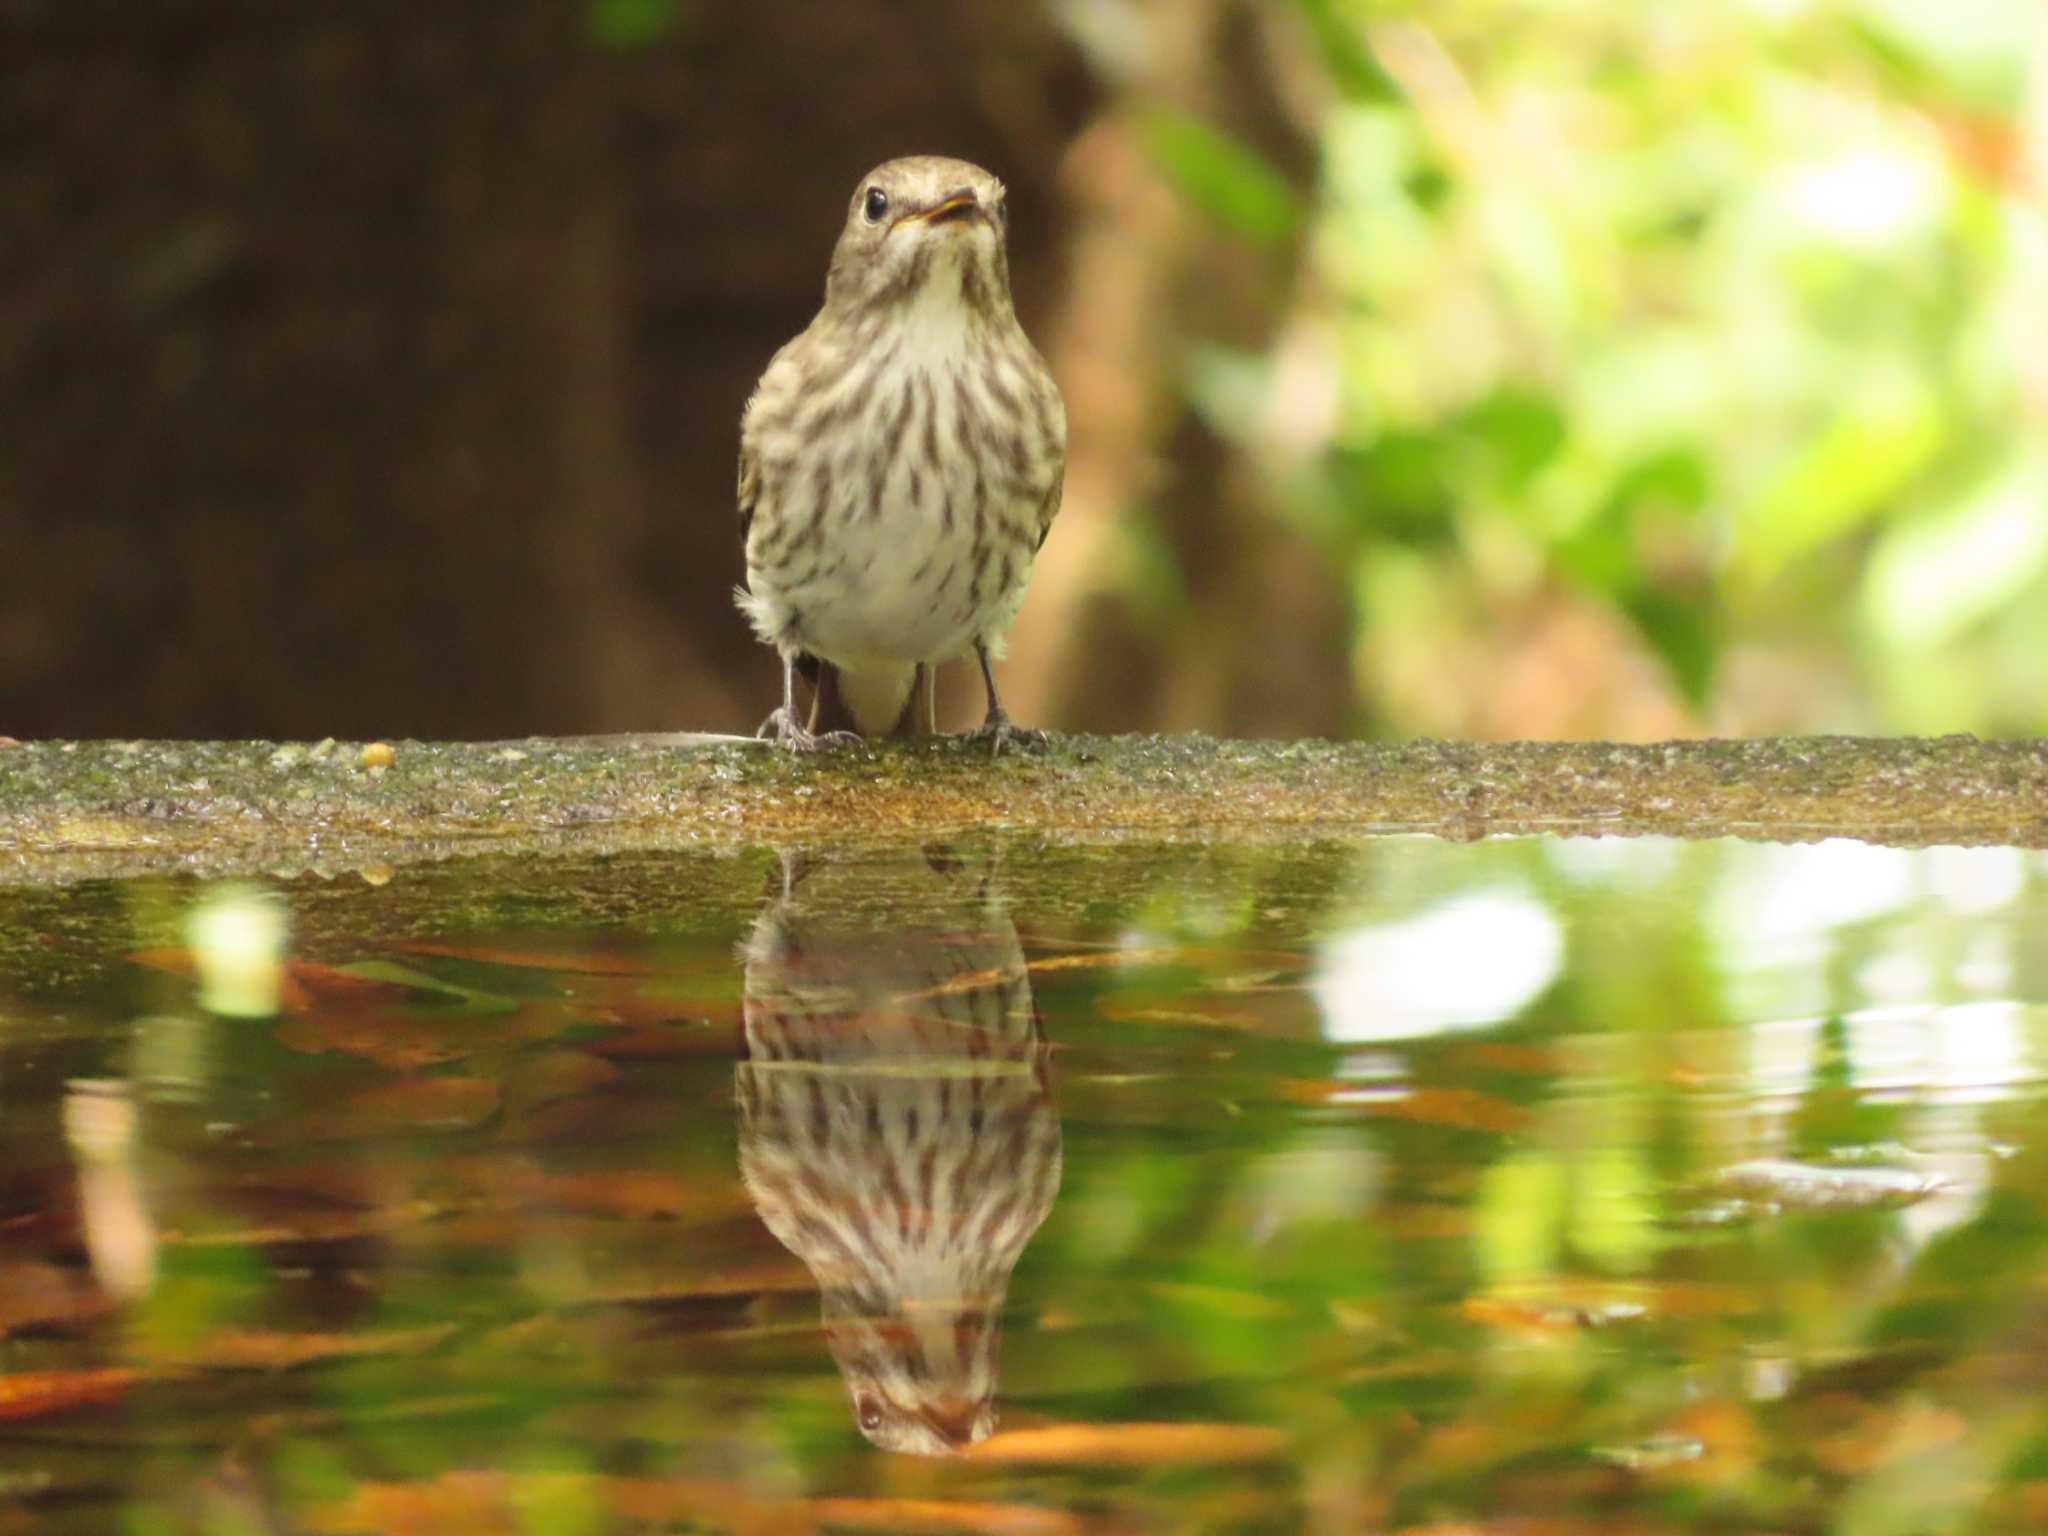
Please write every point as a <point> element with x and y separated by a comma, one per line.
<point>921,1375</point>
<point>922,230</point>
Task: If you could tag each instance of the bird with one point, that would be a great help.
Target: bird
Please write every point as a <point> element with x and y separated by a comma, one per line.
<point>896,1129</point>
<point>901,463</point>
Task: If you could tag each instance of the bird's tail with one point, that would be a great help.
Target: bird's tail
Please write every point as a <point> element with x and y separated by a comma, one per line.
<point>889,702</point>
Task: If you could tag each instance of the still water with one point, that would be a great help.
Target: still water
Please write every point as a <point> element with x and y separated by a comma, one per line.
<point>1518,1186</point>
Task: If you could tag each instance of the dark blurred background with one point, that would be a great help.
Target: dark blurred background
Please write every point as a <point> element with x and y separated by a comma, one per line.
<point>1479,368</point>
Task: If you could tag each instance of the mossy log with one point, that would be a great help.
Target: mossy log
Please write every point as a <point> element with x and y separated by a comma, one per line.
<point>72,810</point>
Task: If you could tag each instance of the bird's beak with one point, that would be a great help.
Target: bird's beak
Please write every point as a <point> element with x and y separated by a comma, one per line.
<point>953,1421</point>
<point>961,206</point>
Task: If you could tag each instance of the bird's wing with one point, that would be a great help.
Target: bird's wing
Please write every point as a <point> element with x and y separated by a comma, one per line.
<point>1050,508</point>
<point>770,399</point>
<point>750,480</point>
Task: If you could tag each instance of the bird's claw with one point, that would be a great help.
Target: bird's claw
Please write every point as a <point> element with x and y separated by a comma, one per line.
<point>999,733</point>
<point>794,738</point>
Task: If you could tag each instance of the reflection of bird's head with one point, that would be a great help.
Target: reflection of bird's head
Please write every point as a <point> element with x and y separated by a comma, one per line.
<point>923,228</point>
<point>922,1378</point>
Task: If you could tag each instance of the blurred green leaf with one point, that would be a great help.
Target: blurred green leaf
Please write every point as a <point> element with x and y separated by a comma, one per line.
<point>1612,1218</point>
<point>1683,630</point>
<point>1679,621</point>
<point>1934,576</point>
<point>1841,479</point>
<point>1341,43</point>
<point>1397,486</point>
<point>627,24</point>
<point>1518,1222</point>
<point>1522,431</point>
<point>1972,49</point>
<point>1222,176</point>
<point>1703,316</point>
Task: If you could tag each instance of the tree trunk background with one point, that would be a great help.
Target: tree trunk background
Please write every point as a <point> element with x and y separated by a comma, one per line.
<point>376,368</point>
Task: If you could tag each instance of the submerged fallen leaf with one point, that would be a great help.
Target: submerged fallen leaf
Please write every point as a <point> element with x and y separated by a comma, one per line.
<point>1200,1012</point>
<point>476,1503</point>
<point>1526,1060</point>
<point>1890,1432</point>
<point>262,1349</point>
<point>480,1503</point>
<point>1464,1109</point>
<point>1130,1445</point>
<point>943,1515</point>
<point>406,1040</point>
<point>1207,959</point>
<point>569,962</point>
<point>553,1075</point>
<point>305,984</point>
<point>665,1040</point>
<point>640,1194</point>
<point>1535,1316</point>
<point>39,1295</point>
<point>308,986</point>
<point>408,1105</point>
<point>31,1394</point>
<point>1562,1305</point>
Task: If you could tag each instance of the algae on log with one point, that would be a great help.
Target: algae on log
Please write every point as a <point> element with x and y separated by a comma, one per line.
<point>71,810</point>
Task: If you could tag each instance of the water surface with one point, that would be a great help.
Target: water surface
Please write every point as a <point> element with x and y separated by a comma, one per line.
<point>1521,1185</point>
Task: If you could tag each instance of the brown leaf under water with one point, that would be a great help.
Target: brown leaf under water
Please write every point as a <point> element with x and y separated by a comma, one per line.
<point>942,1515</point>
<point>1562,1304</point>
<point>475,1503</point>
<point>405,1106</point>
<point>1201,1012</point>
<point>569,962</point>
<point>552,1075</point>
<point>394,1038</point>
<point>1884,1433</point>
<point>638,1194</point>
<point>1465,1109</point>
<point>39,1295</point>
<point>666,1039</point>
<point>263,1349</point>
<point>305,984</point>
<point>1130,1445</point>
<point>484,1503</point>
<point>1207,959</point>
<point>31,1394</point>
<point>1525,1060</point>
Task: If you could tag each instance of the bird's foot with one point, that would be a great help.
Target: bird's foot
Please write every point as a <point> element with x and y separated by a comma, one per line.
<point>791,737</point>
<point>999,733</point>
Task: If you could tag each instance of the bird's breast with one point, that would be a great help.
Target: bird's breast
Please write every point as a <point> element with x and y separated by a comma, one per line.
<point>905,495</point>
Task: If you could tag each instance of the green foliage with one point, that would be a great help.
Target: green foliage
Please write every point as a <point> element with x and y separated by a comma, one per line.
<point>1720,320</point>
<point>628,24</point>
<point>1225,178</point>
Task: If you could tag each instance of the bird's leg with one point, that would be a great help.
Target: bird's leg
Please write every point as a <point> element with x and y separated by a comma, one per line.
<point>783,729</point>
<point>997,730</point>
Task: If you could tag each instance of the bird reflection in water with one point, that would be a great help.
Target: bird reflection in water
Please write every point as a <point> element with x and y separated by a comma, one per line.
<point>897,1131</point>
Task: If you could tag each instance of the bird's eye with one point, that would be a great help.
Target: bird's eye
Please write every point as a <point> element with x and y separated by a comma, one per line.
<point>870,1414</point>
<point>876,205</point>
